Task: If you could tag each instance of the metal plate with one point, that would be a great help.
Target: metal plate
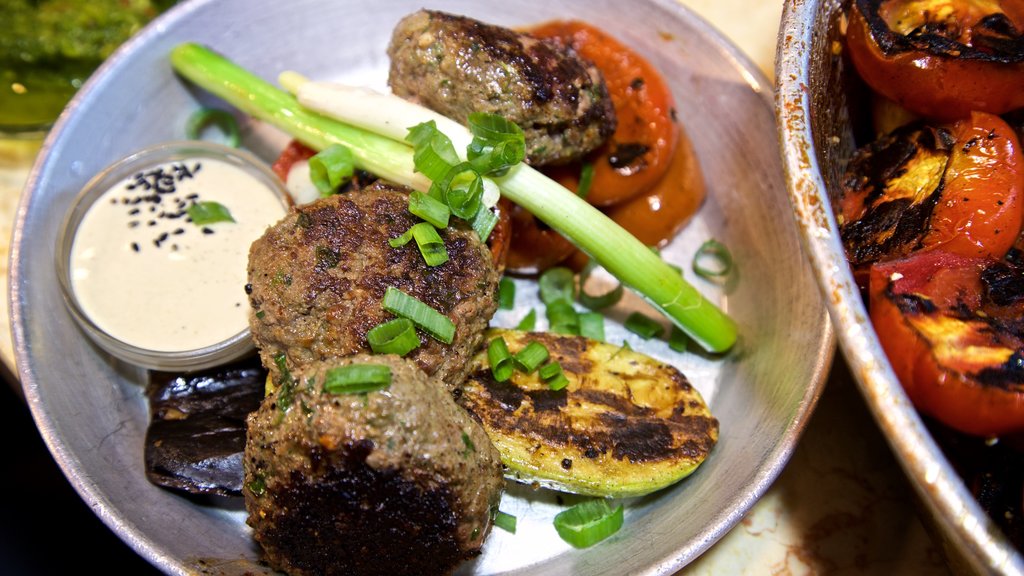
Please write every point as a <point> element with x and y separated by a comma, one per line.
<point>815,107</point>
<point>91,409</point>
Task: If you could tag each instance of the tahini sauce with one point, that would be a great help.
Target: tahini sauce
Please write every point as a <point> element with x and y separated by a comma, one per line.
<point>148,276</point>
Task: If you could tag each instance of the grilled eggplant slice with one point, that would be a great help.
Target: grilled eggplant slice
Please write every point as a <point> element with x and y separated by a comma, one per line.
<point>626,424</point>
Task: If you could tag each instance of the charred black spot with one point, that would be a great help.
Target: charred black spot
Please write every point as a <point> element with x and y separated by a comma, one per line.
<point>348,519</point>
<point>641,441</point>
<point>506,394</point>
<point>548,400</point>
<point>627,155</point>
<point>1008,376</point>
<point>913,304</point>
<point>1003,283</point>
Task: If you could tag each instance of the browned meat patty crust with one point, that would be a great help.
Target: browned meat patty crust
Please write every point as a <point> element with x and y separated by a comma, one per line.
<point>317,279</point>
<point>394,482</point>
<point>456,65</point>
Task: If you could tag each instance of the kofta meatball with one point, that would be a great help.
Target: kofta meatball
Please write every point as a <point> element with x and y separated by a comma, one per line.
<point>456,65</point>
<point>317,279</point>
<point>399,481</point>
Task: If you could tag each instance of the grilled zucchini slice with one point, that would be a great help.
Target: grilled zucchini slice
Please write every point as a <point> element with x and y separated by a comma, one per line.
<point>626,424</point>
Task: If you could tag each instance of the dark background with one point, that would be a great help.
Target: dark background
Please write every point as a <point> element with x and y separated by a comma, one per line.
<point>45,528</point>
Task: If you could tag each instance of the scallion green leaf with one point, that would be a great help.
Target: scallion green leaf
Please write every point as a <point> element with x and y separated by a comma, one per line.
<point>433,322</point>
<point>330,168</point>
<point>530,357</point>
<point>209,212</point>
<point>643,326</point>
<point>500,359</point>
<point>506,293</point>
<point>588,522</point>
<point>713,261</point>
<point>506,522</point>
<point>396,336</point>
<point>433,152</point>
<point>357,378</point>
<point>498,144</point>
<point>677,340</point>
<point>205,117</point>
<point>484,222</point>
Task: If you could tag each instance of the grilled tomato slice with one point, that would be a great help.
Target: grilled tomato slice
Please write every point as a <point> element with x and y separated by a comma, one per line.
<point>953,329</point>
<point>957,186</point>
<point>941,58</point>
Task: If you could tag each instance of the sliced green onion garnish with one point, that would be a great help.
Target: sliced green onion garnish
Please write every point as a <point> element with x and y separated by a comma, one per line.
<point>589,522</point>
<point>644,326</point>
<point>357,379</point>
<point>205,117</point>
<point>553,375</point>
<point>330,168</point>
<point>433,322</point>
<point>429,208</point>
<point>586,179</point>
<point>529,322</point>
<point>396,336</point>
<point>713,261</point>
<point>562,318</point>
<point>677,340</point>
<point>484,222</point>
<point>600,301</point>
<point>497,145</point>
<point>500,359</point>
<point>427,239</point>
<point>530,357</point>
<point>506,293</point>
<point>506,522</point>
<point>558,283</point>
<point>433,152</point>
<point>209,212</point>
<point>592,325</point>
<point>461,189</point>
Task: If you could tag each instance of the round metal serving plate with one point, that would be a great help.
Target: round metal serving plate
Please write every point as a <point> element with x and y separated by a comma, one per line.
<point>814,108</point>
<point>92,411</point>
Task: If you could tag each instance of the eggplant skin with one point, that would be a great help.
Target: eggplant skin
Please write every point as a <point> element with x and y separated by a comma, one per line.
<point>626,424</point>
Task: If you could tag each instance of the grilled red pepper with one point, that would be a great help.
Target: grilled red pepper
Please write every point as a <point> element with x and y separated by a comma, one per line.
<point>953,330</point>
<point>941,58</point>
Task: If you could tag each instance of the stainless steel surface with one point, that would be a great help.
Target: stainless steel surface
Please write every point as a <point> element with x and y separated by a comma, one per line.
<point>91,410</point>
<point>814,114</point>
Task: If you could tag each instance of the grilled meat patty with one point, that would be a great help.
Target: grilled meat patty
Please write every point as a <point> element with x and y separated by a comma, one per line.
<point>317,279</point>
<point>456,65</point>
<point>392,482</point>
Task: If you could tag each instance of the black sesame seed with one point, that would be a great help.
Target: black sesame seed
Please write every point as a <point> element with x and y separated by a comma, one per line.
<point>207,230</point>
<point>135,246</point>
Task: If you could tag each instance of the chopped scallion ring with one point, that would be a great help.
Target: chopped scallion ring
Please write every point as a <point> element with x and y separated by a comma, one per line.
<point>506,522</point>
<point>586,179</point>
<point>498,144</point>
<point>557,283</point>
<point>562,318</point>
<point>433,322</point>
<point>500,359</point>
<point>205,117</point>
<point>530,357</point>
<point>713,261</point>
<point>600,301</point>
<point>433,152</point>
<point>357,379</point>
<point>396,336</point>
<point>643,326</point>
<point>330,168</point>
<point>484,222</point>
<point>429,208</point>
<point>592,325</point>
<point>427,239</point>
<point>529,322</point>
<point>506,293</point>
<point>589,522</point>
<point>208,212</point>
<point>553,375</point>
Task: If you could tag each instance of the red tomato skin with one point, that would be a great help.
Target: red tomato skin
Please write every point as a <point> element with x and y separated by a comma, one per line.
<point>933,86</point>
<point>952,397</point>
<point>982,208</point>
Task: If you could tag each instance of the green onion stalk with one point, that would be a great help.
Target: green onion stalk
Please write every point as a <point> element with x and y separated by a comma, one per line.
<point>615,249</point>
